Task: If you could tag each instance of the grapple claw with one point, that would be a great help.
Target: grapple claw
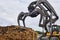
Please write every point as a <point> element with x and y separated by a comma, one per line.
<point>46,17</point>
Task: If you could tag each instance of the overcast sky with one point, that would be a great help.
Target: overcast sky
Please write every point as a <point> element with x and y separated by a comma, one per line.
<point>9,10</point>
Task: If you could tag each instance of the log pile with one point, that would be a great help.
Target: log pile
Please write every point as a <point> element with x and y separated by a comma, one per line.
<point>17,33</point>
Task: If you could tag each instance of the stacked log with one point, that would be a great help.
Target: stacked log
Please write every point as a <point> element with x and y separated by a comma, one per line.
<point>17,33</point>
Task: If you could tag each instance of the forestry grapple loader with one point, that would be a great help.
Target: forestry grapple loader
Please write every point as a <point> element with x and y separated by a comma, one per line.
<point>46,12</point>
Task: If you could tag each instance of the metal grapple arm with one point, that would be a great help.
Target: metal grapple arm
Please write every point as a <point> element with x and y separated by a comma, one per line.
<point>33,4</point>
<point>21,17</point>
<point>49,8</point>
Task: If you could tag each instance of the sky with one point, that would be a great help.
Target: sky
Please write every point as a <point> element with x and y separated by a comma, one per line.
<point>9,10</point>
